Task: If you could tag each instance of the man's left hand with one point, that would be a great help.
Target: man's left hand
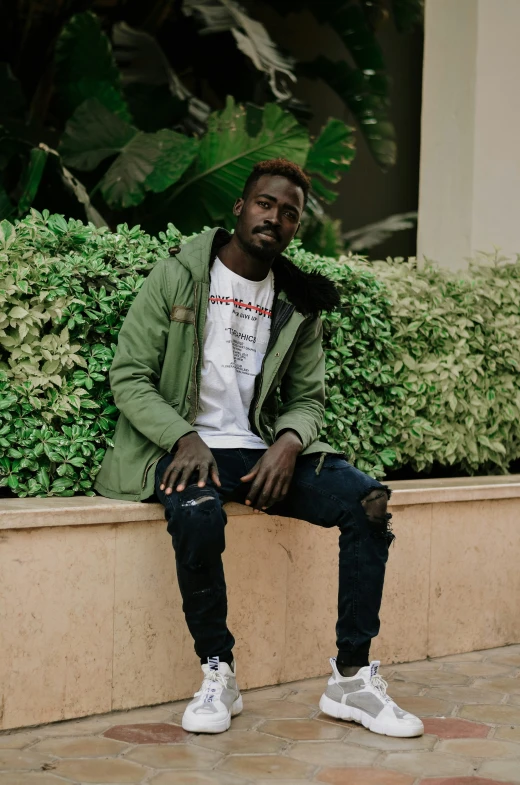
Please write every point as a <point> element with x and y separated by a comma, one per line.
<point>272,475</point>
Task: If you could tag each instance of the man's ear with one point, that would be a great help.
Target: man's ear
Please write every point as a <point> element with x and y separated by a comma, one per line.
<point>237,207</point>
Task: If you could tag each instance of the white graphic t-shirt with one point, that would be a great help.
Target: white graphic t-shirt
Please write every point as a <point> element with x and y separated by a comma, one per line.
<point>236,335</point>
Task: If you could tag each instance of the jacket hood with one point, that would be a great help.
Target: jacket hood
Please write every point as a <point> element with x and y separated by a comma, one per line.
<point>310,293</point>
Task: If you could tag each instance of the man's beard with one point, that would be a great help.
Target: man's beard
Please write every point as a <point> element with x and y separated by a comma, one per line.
<point>264,253</point>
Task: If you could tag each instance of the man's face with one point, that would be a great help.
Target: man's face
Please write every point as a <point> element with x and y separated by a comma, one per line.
<point>269,217</point>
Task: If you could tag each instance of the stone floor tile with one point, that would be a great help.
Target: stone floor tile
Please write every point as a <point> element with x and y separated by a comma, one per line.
<point>321,717</point>
<point>107,770</point>
<point>303,730</point>
<point>195,778</point>
<point>500,684</point>
<point>283,782</point>
<point>245,721</point>
<point>266,767</point>
<point>468,656</point>
<point>240,742</point>
<point>332,753</point>
<point>17,741</point>
<point>22,759</point>
<point>174,756</point>
<point>501,769</point>
<point>508,732</point>
<point>453,728</point>
<point>514,700</point>
<point>433,665</point>
<point>279,692</point>
<point>311,697</point>
<point>404,689</point>
<point>29,778</point>
<point>505,650</point>
<point>422,764</point>
<point>512,660</point>
<point>456,694</point>
<point>150,714</point>
<point>431,677</point>
<point>87,727</point>
<point>363,776</point>
<point>461,781</point>
<point>426,707</point>
<point>148,733</point>
<point>376,741</point>
<point>278,709</point>
<point>80,747</point>
<point>480,748</point>
<point>499,714</point>
<point>510,655</point>
<point>474,669</point>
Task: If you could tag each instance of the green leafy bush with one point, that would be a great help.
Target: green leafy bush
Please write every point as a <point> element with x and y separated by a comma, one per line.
<point>421,364</point>
<point>457,365</point>
<point>64,291</point>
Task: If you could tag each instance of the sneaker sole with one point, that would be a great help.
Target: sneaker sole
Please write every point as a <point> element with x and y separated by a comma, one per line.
<point>341,711</point>
<point>194,724</point>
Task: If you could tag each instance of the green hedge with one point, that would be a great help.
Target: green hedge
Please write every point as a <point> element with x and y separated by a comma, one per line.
<point>422,365</point>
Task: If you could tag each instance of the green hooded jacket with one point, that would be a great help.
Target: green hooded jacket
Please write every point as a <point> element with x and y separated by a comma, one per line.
<point>155,375</point>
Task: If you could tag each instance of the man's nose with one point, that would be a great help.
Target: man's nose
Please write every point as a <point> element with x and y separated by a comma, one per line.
<point>272,217</point>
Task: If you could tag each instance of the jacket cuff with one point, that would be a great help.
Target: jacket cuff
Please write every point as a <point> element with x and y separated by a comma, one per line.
<point>171,435</point>
<point>286,423</point>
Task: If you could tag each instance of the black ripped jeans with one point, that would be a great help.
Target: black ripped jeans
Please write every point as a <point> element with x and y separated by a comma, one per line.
<point>328,493</point>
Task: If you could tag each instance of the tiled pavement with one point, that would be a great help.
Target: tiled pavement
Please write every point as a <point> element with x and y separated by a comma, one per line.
<point>470,704</point>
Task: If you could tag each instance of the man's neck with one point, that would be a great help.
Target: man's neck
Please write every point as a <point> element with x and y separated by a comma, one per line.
<point>239,261</point>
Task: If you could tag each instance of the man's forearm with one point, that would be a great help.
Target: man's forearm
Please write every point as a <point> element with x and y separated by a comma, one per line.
<point>291,439</point>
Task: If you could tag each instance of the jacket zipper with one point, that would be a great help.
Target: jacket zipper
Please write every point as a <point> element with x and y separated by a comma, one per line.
<point>281,319</point>
<point>197,351</point>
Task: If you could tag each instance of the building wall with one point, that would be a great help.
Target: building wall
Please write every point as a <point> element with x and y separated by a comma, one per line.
<point>470,162</point>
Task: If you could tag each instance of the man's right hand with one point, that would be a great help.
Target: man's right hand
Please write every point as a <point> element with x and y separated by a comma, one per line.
<point>191,454</point>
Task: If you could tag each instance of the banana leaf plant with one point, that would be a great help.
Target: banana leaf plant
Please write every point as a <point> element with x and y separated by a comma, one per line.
<point>120,123</point>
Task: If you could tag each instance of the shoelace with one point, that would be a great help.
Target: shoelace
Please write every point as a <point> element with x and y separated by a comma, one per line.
<point>381,686</point>
<point>209,688</point>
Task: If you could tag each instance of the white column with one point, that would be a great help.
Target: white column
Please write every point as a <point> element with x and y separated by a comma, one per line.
<point>469,196</point>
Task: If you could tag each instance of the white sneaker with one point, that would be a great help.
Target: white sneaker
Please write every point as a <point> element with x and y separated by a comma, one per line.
<point>362,698</point>
<point>216,702</point>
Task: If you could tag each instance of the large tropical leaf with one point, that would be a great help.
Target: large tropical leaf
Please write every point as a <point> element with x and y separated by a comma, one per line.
<point>234,143</point>
<point>31,178</point>
<point>366,89</point>
<point>347,19</point>
<point>144,162</point>
<point>6,206</point>
<point>408,14</point>
<point>251,37</point>
<point>12,103</point>
<point>370,236</point>
<point>85,66</point>
<point>155,93</point>
<point>367,100</point>
<point>72,186</point>
<point>330,155</point>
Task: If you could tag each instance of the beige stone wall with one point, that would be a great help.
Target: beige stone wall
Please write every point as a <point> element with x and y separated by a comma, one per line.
<point>91,619</point>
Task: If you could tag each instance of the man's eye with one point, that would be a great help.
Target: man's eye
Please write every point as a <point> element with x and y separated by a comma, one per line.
<point>264,204</point>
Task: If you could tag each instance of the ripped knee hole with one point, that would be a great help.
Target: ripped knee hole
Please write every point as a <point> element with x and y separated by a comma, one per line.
<point>375,505</point>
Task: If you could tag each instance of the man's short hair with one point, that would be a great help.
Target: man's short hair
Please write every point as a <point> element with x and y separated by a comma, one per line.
<point>283,168</point>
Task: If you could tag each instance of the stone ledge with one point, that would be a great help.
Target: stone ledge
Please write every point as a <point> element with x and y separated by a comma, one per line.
<point>91,510</point>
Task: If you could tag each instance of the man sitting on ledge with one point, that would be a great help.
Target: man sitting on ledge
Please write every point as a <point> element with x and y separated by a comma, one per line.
<point>210,339</point>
